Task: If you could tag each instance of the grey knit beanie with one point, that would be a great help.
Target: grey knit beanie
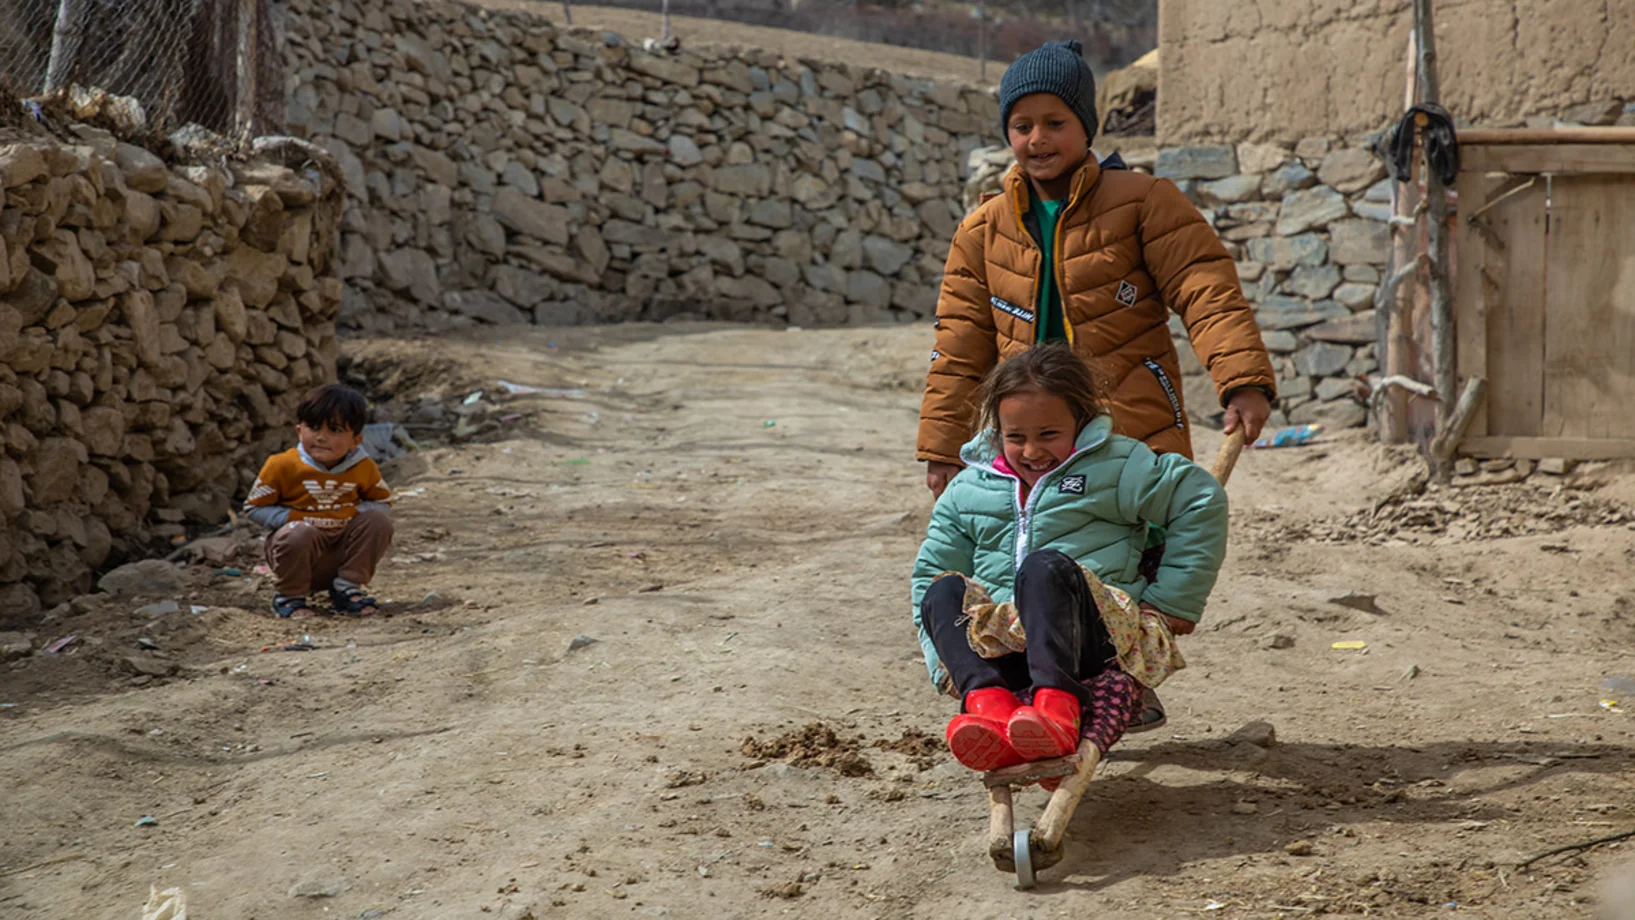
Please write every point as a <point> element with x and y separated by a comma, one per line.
<point>1056,68</point>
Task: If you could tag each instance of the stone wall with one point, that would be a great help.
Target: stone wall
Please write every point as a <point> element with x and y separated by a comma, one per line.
<point>1308,225</point>
<point>156,324</point>
<point>503,170</point>
<point>1270,70</point>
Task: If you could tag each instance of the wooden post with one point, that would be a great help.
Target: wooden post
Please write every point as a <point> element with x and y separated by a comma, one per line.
<point>1436,195</point>
<point>982,42</point>
<point>67,38</point>
<point>1394,320</point>
<point>245,100</point>
<point>664,12</point>
<point>567,13</point>
<point>1458,422</point>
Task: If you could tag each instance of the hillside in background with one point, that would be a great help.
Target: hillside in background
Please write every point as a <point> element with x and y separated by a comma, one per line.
<point>1114,32</point>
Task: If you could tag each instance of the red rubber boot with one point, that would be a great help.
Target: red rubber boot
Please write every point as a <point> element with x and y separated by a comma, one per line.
<point>1049,728</point>
<point>977,736</point>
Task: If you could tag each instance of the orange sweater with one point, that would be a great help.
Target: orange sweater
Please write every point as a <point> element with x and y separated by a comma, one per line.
<point>324,498</point>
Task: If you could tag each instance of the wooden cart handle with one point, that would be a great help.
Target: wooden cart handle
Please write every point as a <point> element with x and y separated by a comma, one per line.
<point>1227,457</point>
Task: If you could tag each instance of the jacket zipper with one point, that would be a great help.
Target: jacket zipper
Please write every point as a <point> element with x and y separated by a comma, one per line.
<point>1053,257</point>
<point>1024,510</point>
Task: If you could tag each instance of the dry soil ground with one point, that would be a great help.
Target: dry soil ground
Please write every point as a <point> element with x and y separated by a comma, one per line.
<point>731,515</point>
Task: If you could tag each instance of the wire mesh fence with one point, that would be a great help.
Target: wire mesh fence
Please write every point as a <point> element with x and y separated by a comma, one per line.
<point>215,63</point>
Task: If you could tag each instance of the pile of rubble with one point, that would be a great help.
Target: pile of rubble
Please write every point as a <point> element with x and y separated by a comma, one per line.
<point>1512,503</point>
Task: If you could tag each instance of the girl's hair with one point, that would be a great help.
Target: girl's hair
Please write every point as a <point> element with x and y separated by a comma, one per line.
<point>1052,369</point>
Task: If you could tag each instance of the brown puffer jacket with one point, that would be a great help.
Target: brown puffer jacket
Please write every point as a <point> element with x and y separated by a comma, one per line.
<point>1127,246</point>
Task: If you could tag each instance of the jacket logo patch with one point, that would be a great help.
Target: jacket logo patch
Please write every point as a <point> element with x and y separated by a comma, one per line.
<point>1169,390</point>
<point>1005,306</point>
<point>1126,293</point>
<point>1072,485</point>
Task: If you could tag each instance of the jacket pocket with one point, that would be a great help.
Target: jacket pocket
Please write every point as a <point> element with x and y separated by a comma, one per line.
<point>1169,391</point>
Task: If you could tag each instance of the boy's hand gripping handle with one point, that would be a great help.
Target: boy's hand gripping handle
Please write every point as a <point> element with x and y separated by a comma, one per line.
<point>1227,456</point>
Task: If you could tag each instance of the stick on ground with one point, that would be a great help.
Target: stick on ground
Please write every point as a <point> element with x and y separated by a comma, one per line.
<point>1610,838</point>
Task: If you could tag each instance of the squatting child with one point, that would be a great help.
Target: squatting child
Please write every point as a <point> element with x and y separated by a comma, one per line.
<point>1012,617</point>
<point>326,504</point>
<point>1095,256</point>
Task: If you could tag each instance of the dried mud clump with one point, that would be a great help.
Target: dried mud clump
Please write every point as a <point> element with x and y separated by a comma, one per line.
<point>812,745</point>
<point>922,750</point>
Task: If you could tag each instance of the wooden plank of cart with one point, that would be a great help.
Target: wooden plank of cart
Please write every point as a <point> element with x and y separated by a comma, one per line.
<point>1026,852</point>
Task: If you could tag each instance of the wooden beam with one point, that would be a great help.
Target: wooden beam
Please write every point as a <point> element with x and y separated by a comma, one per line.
<point>1393,340</point>
<point>1436,199</point>
<point>1563,135</point>
<point>1453,431</point>
<point>1557,159</point>
<point>1540,448</point>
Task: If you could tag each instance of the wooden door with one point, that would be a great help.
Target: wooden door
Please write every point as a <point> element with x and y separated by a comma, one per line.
<point>1589,314</point>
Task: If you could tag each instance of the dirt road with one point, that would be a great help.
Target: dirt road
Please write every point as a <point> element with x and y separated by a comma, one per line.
<point>727,517</point>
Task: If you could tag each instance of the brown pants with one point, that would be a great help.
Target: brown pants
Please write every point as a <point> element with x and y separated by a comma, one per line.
<point>304,559</point>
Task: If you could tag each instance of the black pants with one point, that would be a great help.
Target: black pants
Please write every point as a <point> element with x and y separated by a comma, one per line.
<point>1067,642</point>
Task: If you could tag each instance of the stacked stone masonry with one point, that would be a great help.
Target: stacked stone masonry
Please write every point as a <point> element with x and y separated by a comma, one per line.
<point>504,170</point>
<point>1309,228</point>
<point>157,322</point>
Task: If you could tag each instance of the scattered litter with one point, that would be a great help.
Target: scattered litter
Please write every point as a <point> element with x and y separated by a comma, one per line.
<point>1349,646</point>
<point>170,904</point>
<point>305,645</point>
<point>581,641</point>
<point>769,423</point>
<point>60,644</point>
<point>1610,706</point>
<point>147,821</point>
<point>508,418</point>
<point>472,399</point>
<point>1214,905</point>
<point>261,570</point>
<point>577,461</point>
<point>229,572</point>
<point>522,389</point>
<point>197,609</point>
<point>1290,437</point>
<point>145,642</point>
<point>158,609</point>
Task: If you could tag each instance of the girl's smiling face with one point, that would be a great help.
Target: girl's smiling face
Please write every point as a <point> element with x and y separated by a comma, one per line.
<point>1037,431</point>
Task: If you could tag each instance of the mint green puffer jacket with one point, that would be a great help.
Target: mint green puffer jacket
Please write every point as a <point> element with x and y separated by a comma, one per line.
<point>1096,508</point>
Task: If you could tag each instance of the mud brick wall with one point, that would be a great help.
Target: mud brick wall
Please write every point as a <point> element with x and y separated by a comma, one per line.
<point>505,170</point>
<point>157,324</point>
<point>1269,70</point>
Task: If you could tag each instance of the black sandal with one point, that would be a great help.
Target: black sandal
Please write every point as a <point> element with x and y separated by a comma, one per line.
<point>353,602</point>
<point>1151,715</point>
<point>286,607</point>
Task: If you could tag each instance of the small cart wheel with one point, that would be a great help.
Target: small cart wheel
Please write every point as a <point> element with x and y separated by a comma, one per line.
<point>1023,855</point>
